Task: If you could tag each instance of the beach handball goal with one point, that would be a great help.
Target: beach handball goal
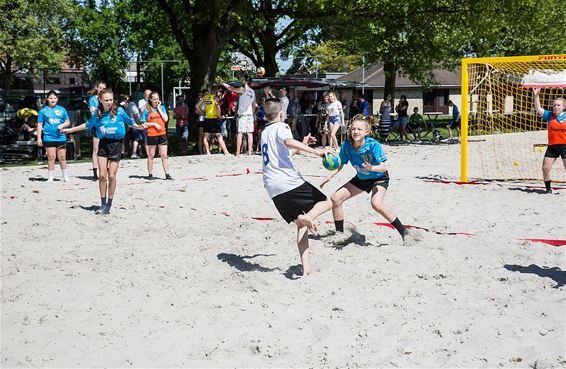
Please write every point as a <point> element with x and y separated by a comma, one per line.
<point>502,136</point>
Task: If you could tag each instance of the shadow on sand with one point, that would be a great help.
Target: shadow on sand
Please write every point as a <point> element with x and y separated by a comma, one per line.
<point>556,274</point>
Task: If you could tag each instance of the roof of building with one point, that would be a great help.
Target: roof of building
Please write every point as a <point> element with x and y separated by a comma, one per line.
<point>374,76</point>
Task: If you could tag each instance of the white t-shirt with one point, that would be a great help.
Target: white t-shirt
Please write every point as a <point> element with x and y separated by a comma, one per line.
<point>141,104</point>
<point>245,102</point>
<point>285,102</point>
<point>279,174</point>
<point>334,108</point>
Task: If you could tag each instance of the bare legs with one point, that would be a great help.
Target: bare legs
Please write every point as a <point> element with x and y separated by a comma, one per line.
<point>304,224</point>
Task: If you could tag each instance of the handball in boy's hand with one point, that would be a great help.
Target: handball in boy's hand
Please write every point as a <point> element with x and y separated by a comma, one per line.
<point>260,71</point>
<point>331,162</point>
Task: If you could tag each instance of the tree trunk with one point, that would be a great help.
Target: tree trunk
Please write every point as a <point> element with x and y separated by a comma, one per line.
<point>268,40</point>
<point>390,71</point>
<point>8,76</point>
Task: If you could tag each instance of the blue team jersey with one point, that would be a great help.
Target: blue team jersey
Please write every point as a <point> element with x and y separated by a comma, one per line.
<point>93,102</point>
<point>107,127</point>
<point>50,118</point>
<point>370,151</point>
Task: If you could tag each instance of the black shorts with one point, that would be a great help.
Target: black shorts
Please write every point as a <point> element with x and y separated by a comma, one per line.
<point>57,144</point>
<point>200,123</point>
<point>110,148</point>
<point>298,201</point>
<point>157,140</point>
<point>554,151</point>
<point>211,125</point>
<point>368,184</point>
<point>454,123</point>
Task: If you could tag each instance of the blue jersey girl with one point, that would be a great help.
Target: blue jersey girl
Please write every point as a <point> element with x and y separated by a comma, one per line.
<point>367,157</point>
<point>108,120</point>
<point>51,121</point>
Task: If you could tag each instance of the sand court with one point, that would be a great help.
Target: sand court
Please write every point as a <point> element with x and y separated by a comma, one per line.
<point>202,271</point>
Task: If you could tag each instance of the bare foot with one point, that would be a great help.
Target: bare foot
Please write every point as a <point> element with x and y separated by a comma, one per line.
<point>306,270</point>
<point>305,221</point>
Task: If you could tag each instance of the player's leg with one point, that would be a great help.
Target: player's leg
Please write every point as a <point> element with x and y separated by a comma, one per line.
<point>377,195</point>
<point>342,194</point>
<point>546,168</point>
<point>112,170</point>
<point>102,163</point>
<point>51,153</point>
<point>164,159</point>
<point>150,155</point>
<point>95,142</point>
<point>62,157</point>
<point>303,246</point>
<point>333,139</point>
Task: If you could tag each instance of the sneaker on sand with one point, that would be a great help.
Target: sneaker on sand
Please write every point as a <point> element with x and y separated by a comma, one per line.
<point>67,179</point>
<point>49,180</point>
<point>134,156</point>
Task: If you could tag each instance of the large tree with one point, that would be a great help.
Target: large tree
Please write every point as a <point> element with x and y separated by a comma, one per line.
<point>33,35</point>
<point>202,29</point>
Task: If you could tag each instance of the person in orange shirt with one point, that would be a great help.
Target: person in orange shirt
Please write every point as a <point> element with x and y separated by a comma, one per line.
<point>556,135</point>
<point>155,116</point>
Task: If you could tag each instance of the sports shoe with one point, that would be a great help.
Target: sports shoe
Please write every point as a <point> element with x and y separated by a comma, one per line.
<point>150,177</point>
<point>49,179</point>
<point>168,177</point>
<point>66,179</point>
<point>134,156</point>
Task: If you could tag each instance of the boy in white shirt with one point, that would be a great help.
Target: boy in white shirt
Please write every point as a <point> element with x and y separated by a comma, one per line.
<point>296,200</point>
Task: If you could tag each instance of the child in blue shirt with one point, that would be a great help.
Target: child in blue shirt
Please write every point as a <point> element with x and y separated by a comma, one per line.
<point>51,121</point>
<point>367,157</point>
<point>108,120</point>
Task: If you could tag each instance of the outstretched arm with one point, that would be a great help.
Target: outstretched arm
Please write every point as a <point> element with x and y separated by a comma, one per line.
<point>539,109</point>
<point>299,146</point>
<point>239,90</point>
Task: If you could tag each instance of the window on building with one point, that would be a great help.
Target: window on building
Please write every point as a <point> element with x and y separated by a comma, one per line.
<point>72,81</point>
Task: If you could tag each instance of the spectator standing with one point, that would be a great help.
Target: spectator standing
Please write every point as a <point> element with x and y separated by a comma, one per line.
<point>181,115</point>
<point>403,117</point>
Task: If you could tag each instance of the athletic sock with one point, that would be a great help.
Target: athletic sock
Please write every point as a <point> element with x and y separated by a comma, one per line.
<point>65,174</point>
<point>50,175</point>
<point>339,224</point>
<point>94,173</point>
<point>548,188</point>
<point>106,209</point>
<point>399,227</point>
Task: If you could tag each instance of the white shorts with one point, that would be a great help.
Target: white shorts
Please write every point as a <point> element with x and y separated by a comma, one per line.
<point>245,124</point>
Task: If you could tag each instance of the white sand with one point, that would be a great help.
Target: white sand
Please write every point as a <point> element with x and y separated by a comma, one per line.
<point>180,275</point>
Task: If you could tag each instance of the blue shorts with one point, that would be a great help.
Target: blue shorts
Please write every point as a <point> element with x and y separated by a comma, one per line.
<point>138,135</point>
<point>334,119</point>
<point>403,121</point>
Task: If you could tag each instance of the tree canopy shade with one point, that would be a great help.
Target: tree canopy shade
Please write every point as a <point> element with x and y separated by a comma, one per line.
<point>415,36</point>
<point>32,35</point>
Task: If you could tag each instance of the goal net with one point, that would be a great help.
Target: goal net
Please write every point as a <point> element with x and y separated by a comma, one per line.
<point>502,136</point>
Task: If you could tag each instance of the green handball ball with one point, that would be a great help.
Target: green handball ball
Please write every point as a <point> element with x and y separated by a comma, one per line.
<point>331,162</point>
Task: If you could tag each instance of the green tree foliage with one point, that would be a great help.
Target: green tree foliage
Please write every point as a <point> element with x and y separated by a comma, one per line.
<point>33,35</point>
<point>99,42</point>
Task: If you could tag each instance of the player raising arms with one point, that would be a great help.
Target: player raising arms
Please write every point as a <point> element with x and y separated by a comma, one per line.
<point>108,120</point>
<point>556,135</point>
<point>296,200</point>
<point>367,157</point>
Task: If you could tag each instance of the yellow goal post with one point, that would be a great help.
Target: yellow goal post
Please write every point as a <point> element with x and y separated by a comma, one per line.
<point>502,137</point>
